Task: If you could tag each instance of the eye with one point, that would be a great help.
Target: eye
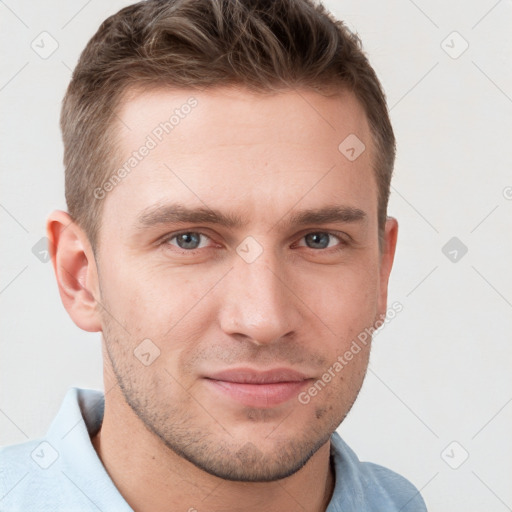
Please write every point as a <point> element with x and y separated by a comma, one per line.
<point>320,240</point>
<point>189,240</point>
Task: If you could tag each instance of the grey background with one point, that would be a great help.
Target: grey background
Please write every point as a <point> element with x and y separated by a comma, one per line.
<point>440,371</point>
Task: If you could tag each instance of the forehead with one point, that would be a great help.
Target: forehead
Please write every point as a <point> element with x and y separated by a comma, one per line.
<point>228,147</point>
<point>299,116</point>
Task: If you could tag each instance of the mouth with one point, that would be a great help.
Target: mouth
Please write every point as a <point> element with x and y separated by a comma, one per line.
<point>261,389</point>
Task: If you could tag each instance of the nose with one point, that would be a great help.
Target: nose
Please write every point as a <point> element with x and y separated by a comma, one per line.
<point>259,303</point>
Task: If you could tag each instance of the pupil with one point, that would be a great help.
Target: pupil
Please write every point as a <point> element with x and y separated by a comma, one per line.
<point>317,240</point>
<point>188,240</point>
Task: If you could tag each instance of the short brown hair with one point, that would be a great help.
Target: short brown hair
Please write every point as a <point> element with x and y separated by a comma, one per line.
<point>264,45</point>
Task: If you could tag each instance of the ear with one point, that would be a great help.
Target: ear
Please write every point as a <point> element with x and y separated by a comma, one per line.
<point>75,269</point>
<point>387,256</point>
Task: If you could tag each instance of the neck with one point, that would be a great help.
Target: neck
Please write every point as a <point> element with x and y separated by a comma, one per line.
<point>151,477</point>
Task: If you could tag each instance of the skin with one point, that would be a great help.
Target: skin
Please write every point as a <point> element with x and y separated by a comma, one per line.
<point>169,438</point>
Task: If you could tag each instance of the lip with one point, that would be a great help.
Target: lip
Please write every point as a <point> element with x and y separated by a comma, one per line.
<point>260,389</point>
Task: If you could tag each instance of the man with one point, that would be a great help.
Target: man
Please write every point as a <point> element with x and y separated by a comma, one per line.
<point>227,175</point>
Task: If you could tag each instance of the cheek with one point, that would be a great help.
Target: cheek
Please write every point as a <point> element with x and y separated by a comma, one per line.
<point>345,299</point>
<point>170,306</point>
<point>348,306</point>
<point>331,397</point>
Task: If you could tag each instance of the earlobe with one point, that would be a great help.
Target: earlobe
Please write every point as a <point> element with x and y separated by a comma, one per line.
<point>75,270</point>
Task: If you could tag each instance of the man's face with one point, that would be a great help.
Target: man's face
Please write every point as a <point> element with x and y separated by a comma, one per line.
<point>244,240</point>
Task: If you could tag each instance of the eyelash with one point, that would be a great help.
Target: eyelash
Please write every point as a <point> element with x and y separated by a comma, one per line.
<point>342,237</point>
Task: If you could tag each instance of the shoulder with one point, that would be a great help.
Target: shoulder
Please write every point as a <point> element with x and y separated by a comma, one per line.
<point>26,476</point>
<point>15,462</point>
<point>384,484</point>
<point>364,486</point>
<point>62,471</point>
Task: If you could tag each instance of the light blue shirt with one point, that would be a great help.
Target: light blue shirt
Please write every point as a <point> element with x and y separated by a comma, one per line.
<point>63,473</point>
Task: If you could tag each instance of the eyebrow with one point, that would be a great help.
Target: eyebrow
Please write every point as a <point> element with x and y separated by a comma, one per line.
<point>179,213</point>
<point>345,214</point>
<point>175,213</point>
